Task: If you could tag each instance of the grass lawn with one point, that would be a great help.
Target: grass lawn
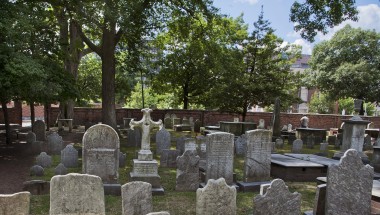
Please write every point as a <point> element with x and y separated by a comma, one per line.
<point>173,201</point>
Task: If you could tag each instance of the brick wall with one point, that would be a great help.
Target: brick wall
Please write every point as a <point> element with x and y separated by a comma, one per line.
<point>15,114</point>
<point>325,121</point>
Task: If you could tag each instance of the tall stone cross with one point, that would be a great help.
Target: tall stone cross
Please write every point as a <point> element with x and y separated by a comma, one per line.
<point>146,124</point>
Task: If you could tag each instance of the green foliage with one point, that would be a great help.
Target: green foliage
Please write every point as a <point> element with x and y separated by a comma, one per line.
<point>347,104</point>
<point>311,17</point>
<point>90,79</point>
<point>320,103</point>
<point>347,65</point>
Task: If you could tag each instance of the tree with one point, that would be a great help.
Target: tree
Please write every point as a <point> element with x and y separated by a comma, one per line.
<point>313,16</point>
<point>259,72</point>
<point>348,65</point>
<point>320,103</point>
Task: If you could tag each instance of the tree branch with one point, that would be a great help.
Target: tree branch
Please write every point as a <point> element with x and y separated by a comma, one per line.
<point>85,39</point>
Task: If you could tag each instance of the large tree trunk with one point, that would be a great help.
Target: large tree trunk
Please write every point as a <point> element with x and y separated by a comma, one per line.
<point>6,122</point>
<point>47,115</point>
<point>32,113</point>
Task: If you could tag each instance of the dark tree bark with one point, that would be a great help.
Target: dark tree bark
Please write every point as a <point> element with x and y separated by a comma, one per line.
<point>6,122</point>
<point>32,113</point>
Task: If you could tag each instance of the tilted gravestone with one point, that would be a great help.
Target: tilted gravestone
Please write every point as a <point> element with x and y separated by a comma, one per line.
<point>187,171</point>
<point>241,145</point>
<point>44,160</point>
<point>69,156</point>
<point>220,156</point>
<point>277,200</point>
<point>137,198</point>
<point>36,170</point>
<point>30,137</point>
<point>17,203</point>
<point>297,146</point>
<point>257,160</point>
<point>163,140</point>
<point>349,186</point>
<point>216,198</point>
<point>55,143</point>
<point>76,194</point>
<point>169,158</point>
<point>39,129</point>
<point>101,153</point>
<point>60,170</point>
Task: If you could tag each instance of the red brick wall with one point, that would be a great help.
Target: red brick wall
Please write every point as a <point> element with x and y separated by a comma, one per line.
<point>15,114</point>
<point>325,121</point>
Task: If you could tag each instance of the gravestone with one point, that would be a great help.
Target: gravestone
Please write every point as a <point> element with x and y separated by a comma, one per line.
<point>55,143</point>
<point>220,156</point>
<point>185,121</point>
<point>39,128</point>
<point>30,137</point>
<point>261,124</point>
<point>180,145</point>
<point>169,158</point>
<point>60,170</point>
<point>367,145</point>
<point>122,158</point>
<point>304,122</point>
<point>349,186</point>
<point>163,140</point>
<point>216,198</point>
<point>290,127</point>
<point>297,146</point>
<point>201,147</point>
<point>257,160</point>
<point>159,213</point>
<point>176,121</point>
<point>376,158</point>
<point>173,116</point>
<point>187,171</point>
<point>197,126</point>
<point>137,198</point>
<point>277,200</point>
<point>36,170</point>
<point>320,200</point>
<point>168,123</point>
<point>76,194</point>
<point>279,143</point>
<point>134,137</point>
<point>126,122</point>
<point>15,204</point>
<point>241,145</point>
<point>101,153</point>
<point>43,160</point>
<point>331,139</point>
<point>69,156</point>
<point>190,145</point>
<point>323,148</point>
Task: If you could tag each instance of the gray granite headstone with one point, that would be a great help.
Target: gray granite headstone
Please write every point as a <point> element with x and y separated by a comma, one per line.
<point>279,143</point>
<point>197,126</point>
<point>320,200</point>
<point>187,171</point>
<point>36,170</point>
<point>122,158</point>
<point>180,146</point>
<point>241,145</point>
<point>163,140</point>
<point>324,147</point>
<point>69,156</point>
<point>169,158</point>
<point>39,129</point>
<point>349,186</point>
<point>168,123</point>
<point>15,204</point>
<point>190,144</point>
<point>297,146</point>
<point>30,137</point>
<point>367,145</point>
<point>261,124</point>
<point>55,143</point>
<point>277,200</point>
<point>137,198</point>
<point>43,160</point>
<point>134,137</point>
<point>101,153</point>
<point>60,170</point>
<point>257,160</point>
<point>220,156</point>
<point>76,194</point>
<point>216,198</point>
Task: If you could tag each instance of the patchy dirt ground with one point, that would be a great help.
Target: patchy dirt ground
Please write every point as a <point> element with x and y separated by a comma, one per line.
<point>16,159</point>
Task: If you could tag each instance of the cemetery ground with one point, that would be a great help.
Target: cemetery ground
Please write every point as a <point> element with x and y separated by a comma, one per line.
<point>16,160</point>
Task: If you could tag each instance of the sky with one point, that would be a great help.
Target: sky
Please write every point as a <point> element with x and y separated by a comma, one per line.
<point>277,12</point>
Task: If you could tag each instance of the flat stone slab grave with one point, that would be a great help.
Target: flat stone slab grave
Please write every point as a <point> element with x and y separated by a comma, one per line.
<point>293,169</point>
<point>314,158</point>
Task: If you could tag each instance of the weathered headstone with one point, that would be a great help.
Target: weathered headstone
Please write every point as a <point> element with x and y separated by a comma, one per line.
<point>69,156</point>
<point>163,140</point>
<point>55,143</point>
<point>168,123</point>
<point>297,146</point>
<point>185,121</point>
<point>187,171</point>
<point>349,186</point>
<point>169,158</point>
<point>43,160</point>
<point>277,200</point>
<point>176,121</point>
<point>30,137</point>
<point>39,129</point>
<point>76,194</point>
<point>320,200</point>
<point>201,147</point>
<point>323,148</point>
<point>258,157</point>
<point>220,156</point>
<point>137,198</point>
<point>101,153</point>
<point>36,170</point>
<point>15,204</point>
<point>241,145</point>
<point>304,122</point>
<point>279,143</point>
<point>367,145</point>
<point>190,144</point>
<point>261,124</point>
<point>180,145</point>
<point>122,158</point>
<point>159,213</point>
<point>197,126</point>
<point>134,137</point>
<point>60,170</point>
<point>216,198</point>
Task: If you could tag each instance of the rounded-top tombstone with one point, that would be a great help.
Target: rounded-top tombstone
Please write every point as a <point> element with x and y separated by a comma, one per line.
<point>39,129</point>
<point>101,153</point>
